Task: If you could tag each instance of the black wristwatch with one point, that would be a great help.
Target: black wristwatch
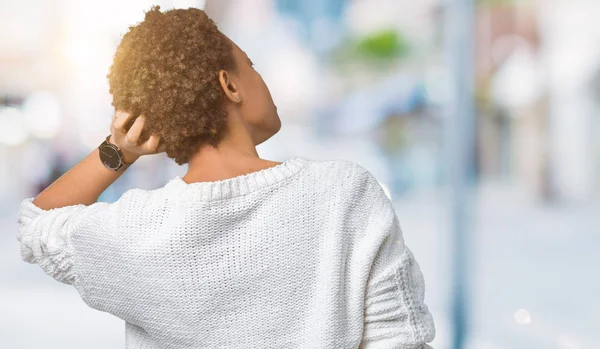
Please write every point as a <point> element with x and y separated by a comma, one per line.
<point>111,156</point>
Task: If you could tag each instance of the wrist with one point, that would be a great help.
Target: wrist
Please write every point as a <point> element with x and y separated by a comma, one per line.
<point>128,158</point>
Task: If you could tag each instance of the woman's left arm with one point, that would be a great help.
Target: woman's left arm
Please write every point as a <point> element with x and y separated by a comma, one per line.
<point>69,207</point>
<point>84,183</point>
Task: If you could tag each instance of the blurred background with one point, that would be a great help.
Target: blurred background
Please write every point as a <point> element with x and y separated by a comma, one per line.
<point>481,119</point>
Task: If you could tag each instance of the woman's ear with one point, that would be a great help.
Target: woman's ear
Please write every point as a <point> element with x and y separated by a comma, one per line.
<point>229,87</point>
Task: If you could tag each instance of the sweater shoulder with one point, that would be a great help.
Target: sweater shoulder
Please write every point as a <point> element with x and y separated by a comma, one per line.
<point>343,167</point>
<point>136,201</point>
<point>356,175</point>
<point>352,179</point>
<point>135,195</point>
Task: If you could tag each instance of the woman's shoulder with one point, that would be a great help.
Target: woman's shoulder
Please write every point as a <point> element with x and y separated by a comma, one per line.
<point>350,170</point>
<point>346,175</point>
<point>339,165</point>
<point>139,196</point>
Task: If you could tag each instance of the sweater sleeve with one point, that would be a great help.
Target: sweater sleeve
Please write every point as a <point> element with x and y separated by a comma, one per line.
<point>45,235</point>
<point>395,313</point>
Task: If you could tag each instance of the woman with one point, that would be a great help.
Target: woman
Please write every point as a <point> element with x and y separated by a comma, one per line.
<point>240,252</point>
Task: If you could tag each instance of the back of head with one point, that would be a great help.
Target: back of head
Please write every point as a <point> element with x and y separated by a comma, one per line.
<point>166,67</point>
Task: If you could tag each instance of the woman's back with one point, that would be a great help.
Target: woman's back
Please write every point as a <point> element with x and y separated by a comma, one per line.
<point>306,254</point>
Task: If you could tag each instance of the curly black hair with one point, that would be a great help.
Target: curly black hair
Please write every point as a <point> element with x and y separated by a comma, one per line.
<point>166,68</point>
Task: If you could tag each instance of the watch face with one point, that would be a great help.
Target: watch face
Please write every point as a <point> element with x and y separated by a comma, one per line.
<point>110,157</point>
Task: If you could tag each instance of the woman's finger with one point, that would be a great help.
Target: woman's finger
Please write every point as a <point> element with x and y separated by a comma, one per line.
<point>161,148</point>
<point>112,122</point>
<point>151,145</point>
<point>120,121</point>
<point>133,135</point>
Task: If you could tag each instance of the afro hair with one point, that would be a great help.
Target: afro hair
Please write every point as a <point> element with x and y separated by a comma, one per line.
<point>166,68</point>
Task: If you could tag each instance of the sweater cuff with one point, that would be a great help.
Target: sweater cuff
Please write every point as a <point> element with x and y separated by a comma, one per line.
<point>43,236</point>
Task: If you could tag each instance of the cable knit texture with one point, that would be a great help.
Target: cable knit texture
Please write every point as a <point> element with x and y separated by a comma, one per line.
<point>305,254</point>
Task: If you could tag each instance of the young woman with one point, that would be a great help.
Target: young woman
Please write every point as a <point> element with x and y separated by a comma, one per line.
<point>240,252</point>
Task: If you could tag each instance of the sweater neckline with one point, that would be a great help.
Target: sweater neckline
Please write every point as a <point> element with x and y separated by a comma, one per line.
<point>242,184</point>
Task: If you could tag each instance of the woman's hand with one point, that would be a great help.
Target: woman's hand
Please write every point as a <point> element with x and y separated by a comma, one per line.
<point>128,141</point>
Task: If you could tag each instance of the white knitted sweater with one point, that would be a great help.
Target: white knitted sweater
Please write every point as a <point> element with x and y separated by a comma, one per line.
<point>306,254</point>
